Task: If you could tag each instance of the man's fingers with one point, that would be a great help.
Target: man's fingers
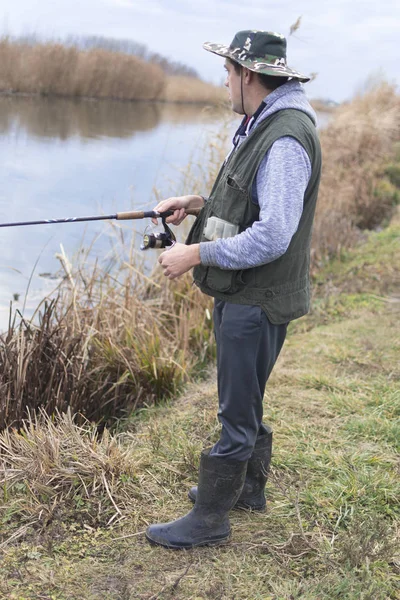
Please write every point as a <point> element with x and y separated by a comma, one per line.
<point>164,205</point>
<point>172,204</point>
<point>166,268</point>
<point>159,208</point>
<point>172,219</point>
<point>178,216</point>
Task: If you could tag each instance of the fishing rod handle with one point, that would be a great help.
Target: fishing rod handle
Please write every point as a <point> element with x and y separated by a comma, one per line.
<point>123,216</point>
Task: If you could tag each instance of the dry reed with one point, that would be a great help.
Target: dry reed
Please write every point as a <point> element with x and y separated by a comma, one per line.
<point>53,69</point>
<point>358,187</point>
<point>68,466</point>
<point>191,90</point>
<point>104,348</point>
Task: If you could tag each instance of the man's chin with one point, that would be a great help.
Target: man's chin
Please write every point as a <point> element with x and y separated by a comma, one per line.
<point>237,110</point>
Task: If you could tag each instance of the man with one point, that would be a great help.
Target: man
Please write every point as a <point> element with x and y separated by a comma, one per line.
<point>250,249</point>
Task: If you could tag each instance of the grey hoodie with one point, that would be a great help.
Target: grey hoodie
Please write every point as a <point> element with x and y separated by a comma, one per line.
<point>280,184</point>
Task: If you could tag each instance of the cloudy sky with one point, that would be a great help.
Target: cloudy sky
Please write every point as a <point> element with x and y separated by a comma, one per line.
<point>347,42</point>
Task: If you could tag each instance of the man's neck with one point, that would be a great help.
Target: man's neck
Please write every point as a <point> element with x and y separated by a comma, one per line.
<point>254,103</point>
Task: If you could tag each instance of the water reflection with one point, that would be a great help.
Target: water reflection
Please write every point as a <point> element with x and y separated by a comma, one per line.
<point>63,118</point>
<point>64,157</point>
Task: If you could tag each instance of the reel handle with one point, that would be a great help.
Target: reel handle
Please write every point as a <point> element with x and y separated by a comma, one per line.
<point>189,211</point>
<point>125,216</point>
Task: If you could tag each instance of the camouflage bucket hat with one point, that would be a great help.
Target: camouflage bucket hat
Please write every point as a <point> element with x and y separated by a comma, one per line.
<point>260,51</point>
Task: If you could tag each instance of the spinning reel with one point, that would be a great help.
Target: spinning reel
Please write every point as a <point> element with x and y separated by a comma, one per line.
<point>158,239</point>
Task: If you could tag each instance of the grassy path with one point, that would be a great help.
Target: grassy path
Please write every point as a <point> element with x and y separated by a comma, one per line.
<point>330,528</point>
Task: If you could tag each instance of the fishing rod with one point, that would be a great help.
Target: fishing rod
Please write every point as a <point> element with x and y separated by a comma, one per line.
<point>122,216</point>
<point>150,240</point>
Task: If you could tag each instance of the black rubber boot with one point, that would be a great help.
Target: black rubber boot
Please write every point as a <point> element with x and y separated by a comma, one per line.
<point>253,496</point>
<point>220,484</point>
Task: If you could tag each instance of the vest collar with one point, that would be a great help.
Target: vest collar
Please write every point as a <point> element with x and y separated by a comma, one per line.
<point>247,123</point>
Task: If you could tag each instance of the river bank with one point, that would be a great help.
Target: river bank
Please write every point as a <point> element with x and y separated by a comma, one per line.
<point>118,346</point>
<point>75,506</point>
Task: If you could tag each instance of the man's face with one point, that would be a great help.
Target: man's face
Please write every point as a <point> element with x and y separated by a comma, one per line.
<point>233,83</point>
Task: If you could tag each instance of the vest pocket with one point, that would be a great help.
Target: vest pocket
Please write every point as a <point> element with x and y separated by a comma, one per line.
<point>233,184</point>
<point>195,233</point>
<point>223,280</point>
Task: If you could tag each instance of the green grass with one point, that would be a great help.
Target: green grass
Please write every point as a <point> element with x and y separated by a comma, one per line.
<point>331,528</point>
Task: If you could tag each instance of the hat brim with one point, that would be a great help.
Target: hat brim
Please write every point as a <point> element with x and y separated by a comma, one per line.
<point>258,65</point>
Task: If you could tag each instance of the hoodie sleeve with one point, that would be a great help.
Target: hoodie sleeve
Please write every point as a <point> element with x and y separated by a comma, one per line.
<point>282,179</point>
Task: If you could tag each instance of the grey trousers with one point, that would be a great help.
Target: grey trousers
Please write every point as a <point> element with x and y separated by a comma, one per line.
<point>248,345</point>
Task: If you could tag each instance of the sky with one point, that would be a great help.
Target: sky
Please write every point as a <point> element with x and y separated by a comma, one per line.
<point>348,43</point>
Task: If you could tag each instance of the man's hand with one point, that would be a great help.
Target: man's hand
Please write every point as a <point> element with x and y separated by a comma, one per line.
<point>178,205</point>
<point>178,259</point>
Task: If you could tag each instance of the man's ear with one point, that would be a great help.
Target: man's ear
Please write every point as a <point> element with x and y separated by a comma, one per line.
<point>248,75</point>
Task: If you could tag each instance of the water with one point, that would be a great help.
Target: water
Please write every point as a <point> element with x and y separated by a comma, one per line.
<point>67,157</point>
<point>62,158</point>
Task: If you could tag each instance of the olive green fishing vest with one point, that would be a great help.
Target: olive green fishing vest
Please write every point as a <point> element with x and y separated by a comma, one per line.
<point>281,287</point>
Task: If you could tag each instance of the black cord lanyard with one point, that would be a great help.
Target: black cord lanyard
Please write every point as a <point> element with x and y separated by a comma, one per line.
<point>241,131</point>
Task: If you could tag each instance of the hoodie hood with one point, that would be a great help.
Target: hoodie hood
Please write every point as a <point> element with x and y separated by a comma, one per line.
<point>289,95</point>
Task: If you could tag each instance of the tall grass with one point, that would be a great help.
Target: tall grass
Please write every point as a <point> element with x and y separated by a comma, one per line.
<point>55,69</point>
<point>127,46</point>
<point>95,42</point>
<point>331,529</point>
<point>114,341</point>
<point>360,172</point>
<point>190,90</point>
<point>107,345</point>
